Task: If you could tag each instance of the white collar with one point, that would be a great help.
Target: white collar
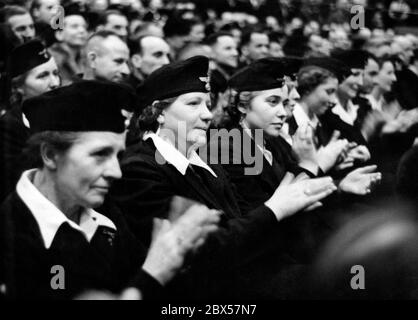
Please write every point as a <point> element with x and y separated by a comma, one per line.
<point>348,115</point>
<point>284,133</point>
<point>375,104</point>
<point>175,157</point>
<point>302,118</point>
<point>25,121</point>
<point>266,153</point>
<point>50,218</point>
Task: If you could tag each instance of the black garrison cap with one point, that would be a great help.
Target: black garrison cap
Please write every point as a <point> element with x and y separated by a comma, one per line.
<point>263,74</point>
<point>26,57</point>
<point>291,65</point>
<point>175,79</point>
<point>332,65</point>
<point>82,106</point>
<point>352,59</point>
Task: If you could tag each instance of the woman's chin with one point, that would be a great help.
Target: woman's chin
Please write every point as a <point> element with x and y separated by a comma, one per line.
<point>273,132</point>
<point>198,140</point>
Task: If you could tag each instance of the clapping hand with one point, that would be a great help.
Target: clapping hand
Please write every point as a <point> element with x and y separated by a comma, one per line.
<point>297,194</point>
<point>361,181</point>
<point>334,152</point>
<point>304,148</point>
<point>173,240</point>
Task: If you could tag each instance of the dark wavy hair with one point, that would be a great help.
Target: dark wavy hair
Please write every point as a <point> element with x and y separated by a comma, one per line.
<point>236,99</point>
<point>146,119</point>
<point>311,77</point>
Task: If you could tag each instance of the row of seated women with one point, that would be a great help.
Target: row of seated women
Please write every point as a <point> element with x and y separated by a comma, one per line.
<point>185,211</point>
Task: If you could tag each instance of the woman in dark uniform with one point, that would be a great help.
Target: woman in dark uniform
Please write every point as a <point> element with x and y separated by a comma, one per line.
<point>53,242</point>
<point>258,93</point>
<point>32,71</point>
<point>163,162</point>
<point>258,101</point>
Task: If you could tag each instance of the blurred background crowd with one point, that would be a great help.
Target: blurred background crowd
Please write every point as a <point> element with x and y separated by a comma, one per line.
<point>277,28</point>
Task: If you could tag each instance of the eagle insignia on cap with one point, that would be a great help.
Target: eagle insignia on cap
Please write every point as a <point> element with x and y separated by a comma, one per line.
<point>3,289</point>
<point>206,80</point>
<point>128,116</point>
<point>44,53</point>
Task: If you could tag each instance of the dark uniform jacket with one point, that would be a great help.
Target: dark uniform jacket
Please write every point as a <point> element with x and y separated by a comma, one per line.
<point>255,180</point>
<point>304,231</point>
<point>226,261</point>
<point>13,137</point>
<point>111,261</point>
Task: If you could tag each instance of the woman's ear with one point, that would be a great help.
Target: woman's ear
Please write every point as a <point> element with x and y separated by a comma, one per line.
<point>48,156</point>
<point>241,108</point>
<point>160,119</point>
<point>58,35</point>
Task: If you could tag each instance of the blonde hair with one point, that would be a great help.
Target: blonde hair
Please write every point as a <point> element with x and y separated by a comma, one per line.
<point>236,100</point>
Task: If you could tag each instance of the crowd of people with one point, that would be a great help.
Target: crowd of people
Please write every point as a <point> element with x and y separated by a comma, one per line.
<point>207,149</point>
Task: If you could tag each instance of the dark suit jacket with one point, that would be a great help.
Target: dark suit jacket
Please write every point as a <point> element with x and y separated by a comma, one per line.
<point>145,192</point>
<point>13,137</point>
<point>111,261</point>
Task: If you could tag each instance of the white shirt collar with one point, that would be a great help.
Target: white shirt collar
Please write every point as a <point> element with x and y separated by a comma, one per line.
<point>375,104</point>
<point>348,115</point>
<point>50,218</point>
<point>25,121</point>
<point>175,157</point>
<point>302,118</point>
<point>266,153</point>
<point>284,133</point>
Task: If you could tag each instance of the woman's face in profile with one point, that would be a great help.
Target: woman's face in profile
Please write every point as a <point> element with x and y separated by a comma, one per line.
<point>386,77</point>
<point>41,79</point>
<point>84,173</point>
<point>187,119</point>
<point>267,111</point>
<point>323,97</point>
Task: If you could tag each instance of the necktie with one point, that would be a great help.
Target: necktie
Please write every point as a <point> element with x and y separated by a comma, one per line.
<point>319,137</point>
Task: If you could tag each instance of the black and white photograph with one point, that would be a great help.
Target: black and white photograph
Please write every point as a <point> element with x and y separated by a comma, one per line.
<point>208,155</point>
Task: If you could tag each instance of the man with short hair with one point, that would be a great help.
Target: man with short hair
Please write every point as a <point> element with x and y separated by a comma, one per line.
<point>107,57</point>
<point>20,22</point>
<point>254,45</point>
<point>177,34</point>
<point>44,10</point>
<point>148,54</point>
<point>115,21</point>
<point>224,54</point>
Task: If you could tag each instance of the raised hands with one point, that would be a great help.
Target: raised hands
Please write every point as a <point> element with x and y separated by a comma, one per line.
<point>359,153</point>
<point>334,152</point>
<point>173,240</point>
<point>304,148</point>
<point>360,181</point>
<point>297,194</point>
